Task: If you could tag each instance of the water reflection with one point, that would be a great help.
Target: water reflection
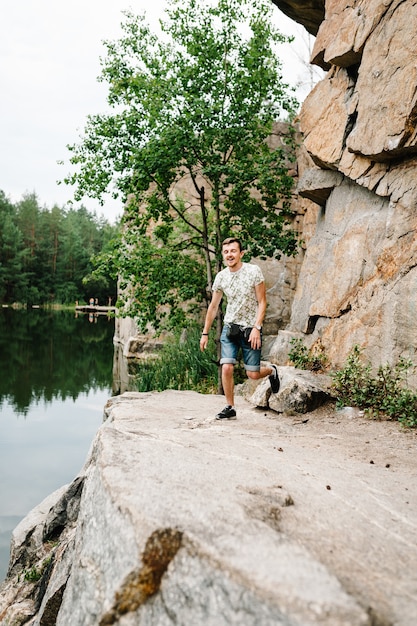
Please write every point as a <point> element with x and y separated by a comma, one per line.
<point>56,373</point>
<point>52,355</point>
<point>125,372</point>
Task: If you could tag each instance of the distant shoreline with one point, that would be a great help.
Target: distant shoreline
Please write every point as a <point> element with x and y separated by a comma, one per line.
<point>88,308</point>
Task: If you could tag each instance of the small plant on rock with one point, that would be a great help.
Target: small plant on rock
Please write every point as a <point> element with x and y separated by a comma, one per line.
<point>34,573</point>
<point>313,359</point>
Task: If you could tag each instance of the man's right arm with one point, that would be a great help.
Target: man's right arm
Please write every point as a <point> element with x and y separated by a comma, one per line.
<point>210,317</point>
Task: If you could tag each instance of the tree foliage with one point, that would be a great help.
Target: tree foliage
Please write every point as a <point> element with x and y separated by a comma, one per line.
<point>46,255</point>
<point>187,148</point>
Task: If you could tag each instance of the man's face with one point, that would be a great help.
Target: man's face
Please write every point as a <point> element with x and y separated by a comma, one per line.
<point>232,255</point>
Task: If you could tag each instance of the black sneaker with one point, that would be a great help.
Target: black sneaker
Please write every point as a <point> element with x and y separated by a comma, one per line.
<point>274,379</point>
<point>228,413</point>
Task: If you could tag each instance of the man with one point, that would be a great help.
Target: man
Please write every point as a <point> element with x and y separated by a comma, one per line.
<point>244,287</point>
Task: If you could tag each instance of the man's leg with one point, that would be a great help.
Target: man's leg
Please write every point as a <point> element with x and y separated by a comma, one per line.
<point>228,360</point>
<point>228,383</point>
<point>254,371</point>
<point>272,372</point>
<point>264,371</point>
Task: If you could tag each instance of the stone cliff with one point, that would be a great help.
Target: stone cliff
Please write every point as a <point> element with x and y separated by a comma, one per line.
<point>357,283</point>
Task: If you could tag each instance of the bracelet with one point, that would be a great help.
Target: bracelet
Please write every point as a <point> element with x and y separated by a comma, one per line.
<point>204,334</point>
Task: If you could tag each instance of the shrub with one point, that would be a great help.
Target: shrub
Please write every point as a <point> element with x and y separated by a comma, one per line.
<point>381,394</point>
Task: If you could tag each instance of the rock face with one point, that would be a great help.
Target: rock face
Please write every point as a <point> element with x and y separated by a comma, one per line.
<point>358,276</point>
<point>177,519</point>
<point>309,13</point>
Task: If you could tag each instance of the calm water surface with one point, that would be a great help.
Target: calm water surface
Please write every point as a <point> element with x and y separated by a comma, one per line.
<point>55,378</point>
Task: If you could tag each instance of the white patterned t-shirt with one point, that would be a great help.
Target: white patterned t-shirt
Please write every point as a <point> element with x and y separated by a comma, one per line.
<point>239,289</point>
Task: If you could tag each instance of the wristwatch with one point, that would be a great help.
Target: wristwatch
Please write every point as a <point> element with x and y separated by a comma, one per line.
<point>258,327</point>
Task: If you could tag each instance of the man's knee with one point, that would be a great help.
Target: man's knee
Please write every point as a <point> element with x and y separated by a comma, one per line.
<point>227,369</point>
<point>253,375</point>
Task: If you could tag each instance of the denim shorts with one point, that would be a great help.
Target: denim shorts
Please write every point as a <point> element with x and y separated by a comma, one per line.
<point>230,350</point>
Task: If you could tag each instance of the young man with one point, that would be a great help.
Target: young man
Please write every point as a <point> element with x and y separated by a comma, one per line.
<point>244,287</point>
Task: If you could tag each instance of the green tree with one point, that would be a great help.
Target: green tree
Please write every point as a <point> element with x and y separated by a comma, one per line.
<point>194,107</point>
<point>83,237</point>
<point>13,278</point>
<point>45,255</point>
<point>27,220</point>
<point>48,250</point>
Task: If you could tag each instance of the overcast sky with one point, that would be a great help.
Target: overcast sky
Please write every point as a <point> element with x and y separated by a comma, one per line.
<point>49,63</point>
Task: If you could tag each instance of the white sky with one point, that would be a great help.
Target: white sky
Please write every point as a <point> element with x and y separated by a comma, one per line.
<point>49,63</point>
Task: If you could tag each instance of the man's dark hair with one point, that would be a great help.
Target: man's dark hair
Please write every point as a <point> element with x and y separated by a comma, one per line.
<point>232,240</point>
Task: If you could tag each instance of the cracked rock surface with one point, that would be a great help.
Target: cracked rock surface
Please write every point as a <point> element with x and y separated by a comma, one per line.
<point>297,520</point>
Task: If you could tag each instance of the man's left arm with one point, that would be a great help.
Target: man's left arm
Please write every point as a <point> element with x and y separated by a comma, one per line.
<point>255,336</point>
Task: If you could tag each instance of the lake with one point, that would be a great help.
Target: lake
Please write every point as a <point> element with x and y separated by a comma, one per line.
<point>56,374</point>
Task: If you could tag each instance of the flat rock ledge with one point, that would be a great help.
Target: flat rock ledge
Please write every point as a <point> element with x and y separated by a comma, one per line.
<point>178,519</point>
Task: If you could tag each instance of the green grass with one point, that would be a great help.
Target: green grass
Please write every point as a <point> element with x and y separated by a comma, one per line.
<point>180,365</point>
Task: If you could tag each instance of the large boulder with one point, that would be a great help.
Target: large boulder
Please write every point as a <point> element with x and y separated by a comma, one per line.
<point>300,391</point>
